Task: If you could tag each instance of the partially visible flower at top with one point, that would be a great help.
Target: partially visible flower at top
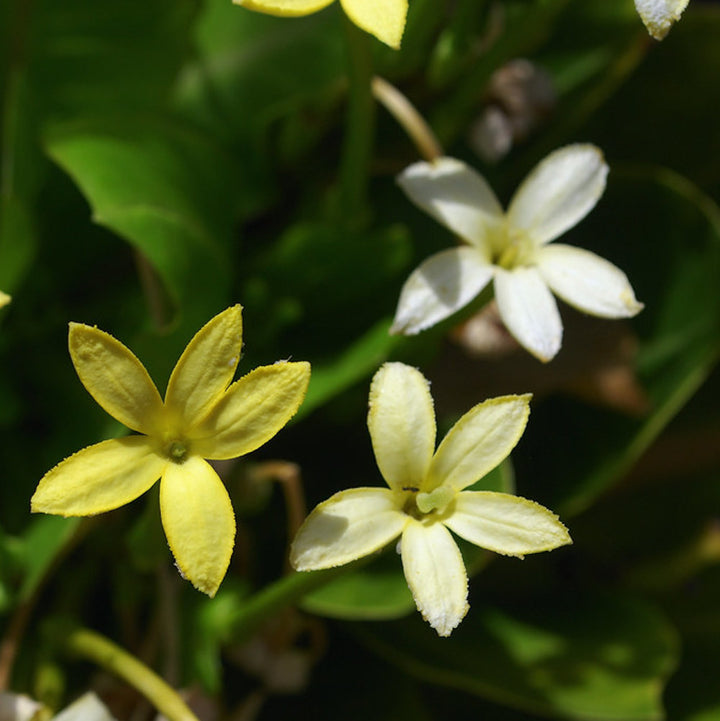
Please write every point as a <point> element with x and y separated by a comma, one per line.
<point>427,496</point>
<point>4,299</point>
<point>203,416</point>
<point>385,19</point>
<point>513,249</point>
<point>660,15</point>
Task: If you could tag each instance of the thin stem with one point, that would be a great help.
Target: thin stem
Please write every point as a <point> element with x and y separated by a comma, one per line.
<point>277,596</point>
<point>408,117</point>
<point>360,125</point>
<point>105,653</point>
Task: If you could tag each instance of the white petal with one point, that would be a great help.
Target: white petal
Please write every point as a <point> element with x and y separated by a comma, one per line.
<point>435,573</point>
<point>401,421</point>
<point>478,442</point>
<point>659,15</point>
<point>559,192</point>
<point>587,281</point>
<point>349,525</point>
<point>440,286</point>
<point>529,311</point>
<point>455,195</point>
<point>506,524</point>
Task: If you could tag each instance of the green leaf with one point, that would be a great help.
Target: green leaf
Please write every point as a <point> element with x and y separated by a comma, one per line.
<point>596,657</point>
<point>163,188</point>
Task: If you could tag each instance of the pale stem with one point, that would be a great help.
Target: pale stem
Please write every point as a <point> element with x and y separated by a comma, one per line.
<point>408,118</point>
<point>113,658</point>
<point>359,127</point>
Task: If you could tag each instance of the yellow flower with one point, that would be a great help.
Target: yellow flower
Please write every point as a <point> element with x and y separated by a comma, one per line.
<point>4,299</point>
<point>203,416</point>
<point>385,19</point>
<point>426,498</point>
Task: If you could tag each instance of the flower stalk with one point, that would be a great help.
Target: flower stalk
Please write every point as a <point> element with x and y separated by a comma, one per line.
<point>113,658</point>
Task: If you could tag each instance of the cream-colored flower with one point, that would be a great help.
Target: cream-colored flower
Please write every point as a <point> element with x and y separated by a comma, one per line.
<point>426,498</point>
<point>204,416</point>
<point>660,15</point>
<point>4,299</point>
<point>513,249</point>
<point>385,19</point>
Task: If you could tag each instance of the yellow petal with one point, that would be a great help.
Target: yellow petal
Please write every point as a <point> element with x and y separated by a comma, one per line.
<point>199,522</point>
<point>206,367</point>
<point>385,19</point>
<point>286,8</point>
<point>435,573</point>
<point>115,378</point>
<point>401,421</point>
<point>349,525</point>
<point>506,524</point>
<point>252,411</point>
<point>99,478</point>
<point>4,299</point>
<point>478,442</point>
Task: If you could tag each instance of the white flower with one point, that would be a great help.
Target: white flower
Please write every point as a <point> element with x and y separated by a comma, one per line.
<point>513,248</point>
<point>426,497</point>
<point>659,15</point>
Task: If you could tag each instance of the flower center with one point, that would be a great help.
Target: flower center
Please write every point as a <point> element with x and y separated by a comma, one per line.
<point>420,505</point>
<point>513,249</point>
<point>177,450</point>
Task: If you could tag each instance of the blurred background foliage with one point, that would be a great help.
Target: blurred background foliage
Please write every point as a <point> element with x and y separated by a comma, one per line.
<point>162,160</point>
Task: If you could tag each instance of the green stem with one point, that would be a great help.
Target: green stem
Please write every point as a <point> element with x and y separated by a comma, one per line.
<point>360,125</point>
<point>277,596</point>
<point>105,653</point>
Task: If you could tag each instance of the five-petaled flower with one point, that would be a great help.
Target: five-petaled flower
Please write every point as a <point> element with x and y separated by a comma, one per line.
<point>513,249</point>
<point>426,496</point>
<point>385,19</point>
<point>660,15</point>
<point>203,416</point>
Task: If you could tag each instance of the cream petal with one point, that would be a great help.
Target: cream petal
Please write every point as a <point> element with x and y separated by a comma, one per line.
<point>659,15</point>
<point>349,525</point>
<point>4,299</point>
<point>401,420</point>
<point>529,311</point>
<point>506,524</point>
<point>478,442</point>
<point>587,281</point>
<point>440,286</point>
<point>285,8</point>
<point>559,192</point>
<point>385,19</point>
<point>251,411</point>
<point>199,522</point>
<point>99,478</point>
<point>206,367</point>
<point>435,573</point>
<point>455,195</point>
<point>115,378</point>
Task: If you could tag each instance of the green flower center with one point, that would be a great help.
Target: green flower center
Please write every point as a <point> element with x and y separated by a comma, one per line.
<point>177,451</point>
<point>512,248</point>
<point>420,505</point>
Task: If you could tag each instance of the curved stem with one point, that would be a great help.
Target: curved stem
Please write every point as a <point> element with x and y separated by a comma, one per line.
<point>105,653</point>
<point>277,596</point>
<point>408,117</point>
<point>360,125</point>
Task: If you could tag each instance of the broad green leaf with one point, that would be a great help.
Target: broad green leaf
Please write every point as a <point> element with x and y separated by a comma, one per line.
<point>598,657</point>
<point>164,189</point>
